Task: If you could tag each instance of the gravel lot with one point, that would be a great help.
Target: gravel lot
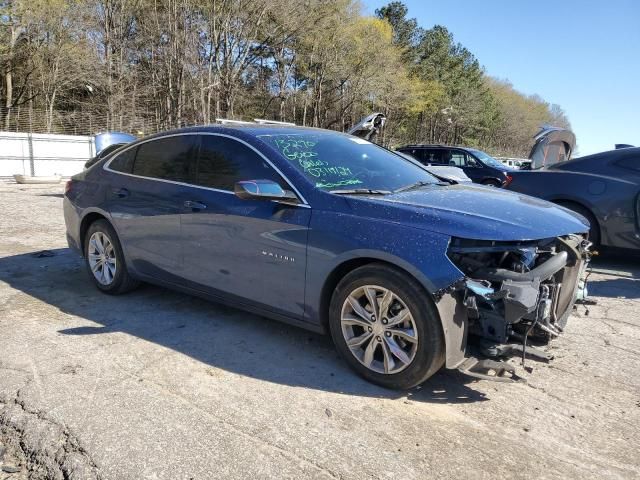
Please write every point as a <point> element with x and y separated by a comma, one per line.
<point>161,385</point>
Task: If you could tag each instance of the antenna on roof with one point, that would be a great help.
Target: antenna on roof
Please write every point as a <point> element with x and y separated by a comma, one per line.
<point>262,121</point>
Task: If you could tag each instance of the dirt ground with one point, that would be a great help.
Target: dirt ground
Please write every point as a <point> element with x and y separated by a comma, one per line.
<point>160,385</point>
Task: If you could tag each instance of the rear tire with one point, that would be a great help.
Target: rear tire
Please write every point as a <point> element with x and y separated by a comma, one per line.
<point>403,345</point>
<point>105,261</point>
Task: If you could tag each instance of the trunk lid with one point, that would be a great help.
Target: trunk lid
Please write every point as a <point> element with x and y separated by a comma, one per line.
<point>106,139</point>
<point>552,145</point>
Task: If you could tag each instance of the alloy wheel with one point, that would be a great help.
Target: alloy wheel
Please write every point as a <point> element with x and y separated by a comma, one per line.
<point>379,329</point>
<point>102,258</point>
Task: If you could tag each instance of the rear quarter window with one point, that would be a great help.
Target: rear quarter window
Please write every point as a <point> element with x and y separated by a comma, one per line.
<point>123,162</point>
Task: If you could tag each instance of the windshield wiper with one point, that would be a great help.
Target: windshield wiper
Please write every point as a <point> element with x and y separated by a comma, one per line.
<point>360,191</point>
<point>411,186</point>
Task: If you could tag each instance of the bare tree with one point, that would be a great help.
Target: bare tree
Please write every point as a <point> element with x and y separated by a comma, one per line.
<point>146,65</point>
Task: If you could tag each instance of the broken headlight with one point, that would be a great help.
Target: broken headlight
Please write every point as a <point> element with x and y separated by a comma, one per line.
<point>512,288</point>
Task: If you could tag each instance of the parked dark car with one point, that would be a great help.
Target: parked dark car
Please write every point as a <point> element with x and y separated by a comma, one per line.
<point>443,172</point>
<point>604,188</point>
<point>332,233</point>
<point>476,164</point>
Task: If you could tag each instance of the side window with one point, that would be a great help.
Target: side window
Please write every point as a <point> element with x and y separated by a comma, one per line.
<point>416,153</point>
<point>432,156</point>
<point>458,159</point>
<point>224,161</point>
<point>124,162</point>
<point>166,158</point>
<point>410,152</point>
<point>473,162</point>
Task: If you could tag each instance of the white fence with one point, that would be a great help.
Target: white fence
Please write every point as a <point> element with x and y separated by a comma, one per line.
<point>43,154</point>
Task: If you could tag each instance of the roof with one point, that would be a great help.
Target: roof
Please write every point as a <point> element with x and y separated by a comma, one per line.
<point>434,145</point>
<point>250,128</point>
<point>415,145</point>
<point>617,153</point>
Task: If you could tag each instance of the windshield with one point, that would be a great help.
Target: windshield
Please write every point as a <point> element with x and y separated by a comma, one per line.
<point>334,161</point>
<point>486,158</point>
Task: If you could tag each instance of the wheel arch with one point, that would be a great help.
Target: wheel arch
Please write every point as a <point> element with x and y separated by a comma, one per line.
<point>451,313</point>
<point>489,179</point>
<point>86,222</point>
<point>564,202</point>
<point>347,266</point>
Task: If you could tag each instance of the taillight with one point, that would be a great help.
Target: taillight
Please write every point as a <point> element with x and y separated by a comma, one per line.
<point>67,186</point>
<point>508,180</point>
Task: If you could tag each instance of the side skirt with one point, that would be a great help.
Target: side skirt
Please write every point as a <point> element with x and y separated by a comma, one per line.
<point>235,303</point>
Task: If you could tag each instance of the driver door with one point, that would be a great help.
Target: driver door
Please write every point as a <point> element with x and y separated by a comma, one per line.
<point>469,165</point>
<point>253,251</point>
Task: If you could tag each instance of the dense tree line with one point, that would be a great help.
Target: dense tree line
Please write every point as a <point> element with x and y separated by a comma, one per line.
<point>146,65</point>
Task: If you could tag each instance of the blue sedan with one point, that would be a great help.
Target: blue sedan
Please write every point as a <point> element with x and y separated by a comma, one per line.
<point>333,233</point>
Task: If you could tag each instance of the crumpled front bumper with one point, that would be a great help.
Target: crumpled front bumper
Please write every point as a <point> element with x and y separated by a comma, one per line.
<point>499,307</point>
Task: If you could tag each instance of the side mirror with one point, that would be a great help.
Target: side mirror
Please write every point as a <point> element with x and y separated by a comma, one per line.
<point>263,190</point>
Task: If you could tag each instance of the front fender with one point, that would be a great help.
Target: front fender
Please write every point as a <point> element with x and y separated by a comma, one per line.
<point>335,239</point>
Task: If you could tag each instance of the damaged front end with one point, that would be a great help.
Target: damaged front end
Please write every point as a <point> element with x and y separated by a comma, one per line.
<point>512,292</point>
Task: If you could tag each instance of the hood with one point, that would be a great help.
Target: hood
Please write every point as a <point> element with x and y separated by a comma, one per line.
<point>103,140</point>
<point>474,212</point>
<point>552,145</point>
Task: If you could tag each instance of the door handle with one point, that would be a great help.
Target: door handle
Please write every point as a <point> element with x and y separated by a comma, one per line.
<point>120,192</point>
<point>194,205</point>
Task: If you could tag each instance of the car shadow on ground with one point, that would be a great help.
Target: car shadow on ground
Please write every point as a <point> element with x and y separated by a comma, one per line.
<point>623,276</point>
<point>219,336</point>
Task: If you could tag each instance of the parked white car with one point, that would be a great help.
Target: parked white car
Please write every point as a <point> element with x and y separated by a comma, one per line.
<point>515,163</point>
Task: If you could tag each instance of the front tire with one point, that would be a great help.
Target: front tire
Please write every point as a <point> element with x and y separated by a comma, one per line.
<point>386,327</point>
<point>105,260</point>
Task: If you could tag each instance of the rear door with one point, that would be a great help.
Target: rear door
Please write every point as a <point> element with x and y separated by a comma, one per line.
<point>247,249</point>
<point>148,189</point>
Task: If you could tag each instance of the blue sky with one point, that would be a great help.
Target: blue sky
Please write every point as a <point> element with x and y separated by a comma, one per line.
<point>581,54</point>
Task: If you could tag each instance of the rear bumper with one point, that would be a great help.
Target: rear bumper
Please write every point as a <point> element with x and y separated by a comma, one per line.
<point>72,222</point>
<point>73,245</point>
